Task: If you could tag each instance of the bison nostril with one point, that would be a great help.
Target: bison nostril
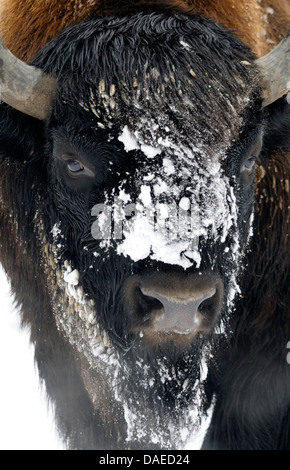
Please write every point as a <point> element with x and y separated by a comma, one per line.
<point>208,305</point>
<point>147,304</point>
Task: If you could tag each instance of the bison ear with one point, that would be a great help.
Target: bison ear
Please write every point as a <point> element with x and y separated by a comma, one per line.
<point>275,68</point>
<point>24,87</point>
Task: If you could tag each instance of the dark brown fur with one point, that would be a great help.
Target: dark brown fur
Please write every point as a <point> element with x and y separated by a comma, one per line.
<point>264,326</point>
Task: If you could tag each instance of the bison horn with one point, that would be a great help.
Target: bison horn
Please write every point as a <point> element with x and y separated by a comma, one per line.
<point>275,68</point>
<point>24,87</point>
<point>31,91</point>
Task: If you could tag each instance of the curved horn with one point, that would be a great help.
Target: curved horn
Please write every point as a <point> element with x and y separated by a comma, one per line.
<point>275,68</point>
<point>24,87</point>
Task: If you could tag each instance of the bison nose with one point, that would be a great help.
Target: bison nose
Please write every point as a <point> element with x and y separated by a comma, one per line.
<point>179,304</point>
<point>178,315</point>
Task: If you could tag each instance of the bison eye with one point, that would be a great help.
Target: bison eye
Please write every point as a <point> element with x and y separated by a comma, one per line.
<point>250,163</point>
<point>74,166</point>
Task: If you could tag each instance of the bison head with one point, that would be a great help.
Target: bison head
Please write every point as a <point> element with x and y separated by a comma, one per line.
<point>140,183</point>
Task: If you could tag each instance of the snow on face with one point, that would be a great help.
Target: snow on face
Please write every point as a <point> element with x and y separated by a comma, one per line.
<point>184,198</point>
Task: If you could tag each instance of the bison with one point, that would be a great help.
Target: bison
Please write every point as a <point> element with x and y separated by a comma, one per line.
<point>144,198</point>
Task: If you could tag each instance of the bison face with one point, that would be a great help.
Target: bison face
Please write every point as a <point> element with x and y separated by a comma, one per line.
<point>145,203</point>
<point>151,155</point>
<point>159,227</point>
<point>151,161</point>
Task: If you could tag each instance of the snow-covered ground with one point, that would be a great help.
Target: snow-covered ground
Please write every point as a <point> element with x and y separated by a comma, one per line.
<point>26,423</point>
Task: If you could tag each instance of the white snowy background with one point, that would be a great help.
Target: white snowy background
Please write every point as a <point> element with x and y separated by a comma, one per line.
<point>26,421</point>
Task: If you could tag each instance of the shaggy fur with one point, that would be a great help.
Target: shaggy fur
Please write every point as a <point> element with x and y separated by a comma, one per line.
<point>255,382</point>
<point>249,363</point>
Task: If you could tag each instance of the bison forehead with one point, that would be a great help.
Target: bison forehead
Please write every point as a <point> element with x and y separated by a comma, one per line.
<point>192,71</point>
